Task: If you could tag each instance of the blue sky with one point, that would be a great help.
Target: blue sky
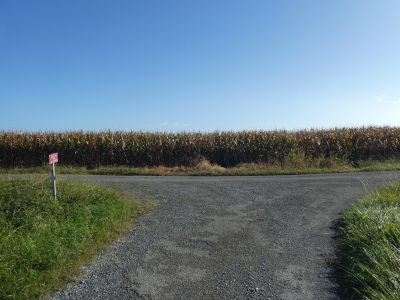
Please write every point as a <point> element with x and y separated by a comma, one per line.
<point>198,65</point>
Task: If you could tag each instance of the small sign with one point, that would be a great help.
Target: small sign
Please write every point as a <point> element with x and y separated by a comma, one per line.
<point>53,158</point>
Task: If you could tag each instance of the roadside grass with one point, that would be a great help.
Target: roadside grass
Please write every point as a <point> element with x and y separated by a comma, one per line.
<point>289,167</point>
<point>379,166</point>
<point>370,246</point>
<point>44,241</point>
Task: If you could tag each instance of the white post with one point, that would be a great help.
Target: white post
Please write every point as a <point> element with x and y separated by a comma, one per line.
<point>54,181</point>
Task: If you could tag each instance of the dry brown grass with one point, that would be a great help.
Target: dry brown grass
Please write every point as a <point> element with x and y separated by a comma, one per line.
<point>203,167</point>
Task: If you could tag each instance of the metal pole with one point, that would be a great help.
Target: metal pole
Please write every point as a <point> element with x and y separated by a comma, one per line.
<point>54,181</point>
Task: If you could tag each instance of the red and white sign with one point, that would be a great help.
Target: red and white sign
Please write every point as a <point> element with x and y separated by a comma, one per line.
<point>53,158</point>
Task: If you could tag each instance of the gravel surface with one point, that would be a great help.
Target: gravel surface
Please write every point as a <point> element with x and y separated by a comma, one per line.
<point>226,238</point>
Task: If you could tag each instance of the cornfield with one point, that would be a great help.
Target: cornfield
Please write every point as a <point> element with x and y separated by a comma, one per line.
<point>108,148</point>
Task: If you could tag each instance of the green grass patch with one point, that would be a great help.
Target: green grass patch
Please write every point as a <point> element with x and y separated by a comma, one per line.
<point>370,246</point>
<point>386,165</point>
<point>44,241</point>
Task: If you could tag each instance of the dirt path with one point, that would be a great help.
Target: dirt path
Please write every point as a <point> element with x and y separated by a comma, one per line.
<point>226,238</point>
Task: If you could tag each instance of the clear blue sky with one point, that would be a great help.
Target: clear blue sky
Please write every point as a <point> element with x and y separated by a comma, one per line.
<point>198,65</point>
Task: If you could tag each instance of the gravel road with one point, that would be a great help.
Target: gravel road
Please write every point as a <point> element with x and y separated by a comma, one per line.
<point>226,238</point>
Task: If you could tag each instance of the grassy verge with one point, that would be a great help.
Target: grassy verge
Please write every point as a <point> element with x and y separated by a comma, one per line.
<point>205,168</point>
<point>44,241</point>
<point>370,246</point>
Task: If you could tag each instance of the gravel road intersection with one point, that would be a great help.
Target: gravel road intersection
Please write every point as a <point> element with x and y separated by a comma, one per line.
<point>265,237</point>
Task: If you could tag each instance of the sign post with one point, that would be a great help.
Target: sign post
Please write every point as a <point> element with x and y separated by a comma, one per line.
<point>53,159</point>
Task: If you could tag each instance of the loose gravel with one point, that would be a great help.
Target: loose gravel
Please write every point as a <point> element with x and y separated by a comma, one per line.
<point>226,238</point>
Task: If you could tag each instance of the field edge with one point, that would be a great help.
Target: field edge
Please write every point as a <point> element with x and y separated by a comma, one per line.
<point>204,168</point>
